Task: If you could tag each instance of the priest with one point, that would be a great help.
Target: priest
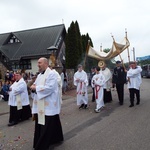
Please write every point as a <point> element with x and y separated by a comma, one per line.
<point>46,108</point>
<point>19,101</point>
<point>107,86</point>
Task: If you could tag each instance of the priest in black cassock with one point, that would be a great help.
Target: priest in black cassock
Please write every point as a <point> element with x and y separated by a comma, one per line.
<point>46,108</point>
<point>108,83</point>
<point>19,101</point>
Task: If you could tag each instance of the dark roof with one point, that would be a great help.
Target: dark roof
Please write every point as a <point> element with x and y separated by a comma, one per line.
<point>33,42</point>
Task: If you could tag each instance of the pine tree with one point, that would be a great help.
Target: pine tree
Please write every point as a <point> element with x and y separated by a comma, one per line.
<point>76,47</point>
<point>73,46</point>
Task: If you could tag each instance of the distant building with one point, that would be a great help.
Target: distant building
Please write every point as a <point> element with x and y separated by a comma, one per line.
<point>22,49</point>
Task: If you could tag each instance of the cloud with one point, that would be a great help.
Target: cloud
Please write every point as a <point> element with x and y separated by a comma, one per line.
<point>98,18</point>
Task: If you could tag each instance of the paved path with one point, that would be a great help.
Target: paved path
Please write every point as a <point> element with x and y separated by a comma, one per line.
<point>115,128</point>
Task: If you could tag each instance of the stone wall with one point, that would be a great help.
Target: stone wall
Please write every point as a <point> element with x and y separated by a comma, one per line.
<point>70,73</point>
<point>3,70</point>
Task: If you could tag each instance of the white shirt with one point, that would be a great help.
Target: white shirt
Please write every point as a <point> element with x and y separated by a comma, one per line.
<point>134,76</point>
<point>19,87</point>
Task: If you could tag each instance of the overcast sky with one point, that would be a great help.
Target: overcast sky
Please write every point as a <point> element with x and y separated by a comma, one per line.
<point>98,18</point>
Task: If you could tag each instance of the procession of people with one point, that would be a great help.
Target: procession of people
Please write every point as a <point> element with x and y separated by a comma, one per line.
<point>46,89</point>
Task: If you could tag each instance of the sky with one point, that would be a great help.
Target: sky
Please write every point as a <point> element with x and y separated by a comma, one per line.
<point>99,18</point>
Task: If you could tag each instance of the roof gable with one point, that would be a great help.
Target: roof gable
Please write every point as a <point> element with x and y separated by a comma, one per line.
<point>11,39</point>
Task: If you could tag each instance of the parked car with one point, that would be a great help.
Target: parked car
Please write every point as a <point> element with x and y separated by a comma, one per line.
<point>145,71</point>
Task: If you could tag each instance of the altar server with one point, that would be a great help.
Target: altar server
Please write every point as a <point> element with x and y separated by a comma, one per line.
<point>98,82</point>
<point>81,82</point>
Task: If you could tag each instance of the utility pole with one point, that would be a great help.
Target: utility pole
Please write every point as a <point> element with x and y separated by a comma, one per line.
<point>133,54</point>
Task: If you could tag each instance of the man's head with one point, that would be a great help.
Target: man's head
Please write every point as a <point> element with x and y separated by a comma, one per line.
<point>93,69</point>
<point>118,63</point>
<point>133,64</point>
<point>97,69</point>
<point>18,75</point>
<point>80,68</point>
<point>42,64</point>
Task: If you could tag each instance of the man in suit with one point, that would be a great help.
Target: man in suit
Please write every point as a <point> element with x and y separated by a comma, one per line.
<point>118,80</point>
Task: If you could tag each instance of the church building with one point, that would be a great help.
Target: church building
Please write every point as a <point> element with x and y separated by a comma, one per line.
<point>22,49</point>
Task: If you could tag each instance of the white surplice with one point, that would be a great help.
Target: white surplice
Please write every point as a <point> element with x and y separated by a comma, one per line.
<point>59,81</point>
<point>135,77</point>
<point>19,91</point>
<point>49,92</point>
<point>108,76</point>
<point>98,82</point>
<point>81,82</point>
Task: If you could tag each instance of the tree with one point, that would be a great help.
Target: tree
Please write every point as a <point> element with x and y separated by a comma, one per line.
<point>88,61</point>
<point>76,48</point>
<point>73,46</point>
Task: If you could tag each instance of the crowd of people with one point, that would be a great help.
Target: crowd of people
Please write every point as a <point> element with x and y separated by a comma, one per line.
<point>9,79</point>
<point>102,80</point>
<point>46,89</point>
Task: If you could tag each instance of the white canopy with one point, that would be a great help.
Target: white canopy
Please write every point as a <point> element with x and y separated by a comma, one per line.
<point>116,49</point>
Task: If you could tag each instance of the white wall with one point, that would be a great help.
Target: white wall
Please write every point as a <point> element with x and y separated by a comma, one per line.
<point>33,66</point>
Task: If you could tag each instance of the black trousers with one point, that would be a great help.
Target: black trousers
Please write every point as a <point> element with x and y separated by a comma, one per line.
<point>120,92</point>
<point>107,96</point>
<point>93,95</point>
<point>134,92</point>
<point>48,134</point>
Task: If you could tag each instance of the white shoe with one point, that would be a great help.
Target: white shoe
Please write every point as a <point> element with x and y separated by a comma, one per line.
<point>97,110</point>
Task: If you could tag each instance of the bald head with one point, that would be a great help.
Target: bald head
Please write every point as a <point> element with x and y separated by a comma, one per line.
<point>42,64</point>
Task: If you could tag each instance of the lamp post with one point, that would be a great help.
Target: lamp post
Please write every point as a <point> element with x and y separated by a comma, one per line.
<point>53,50</point>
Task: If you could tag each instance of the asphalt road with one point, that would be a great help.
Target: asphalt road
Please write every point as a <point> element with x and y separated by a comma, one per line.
<point>115,128</point>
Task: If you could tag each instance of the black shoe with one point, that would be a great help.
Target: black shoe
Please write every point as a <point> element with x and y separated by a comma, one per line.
<point>12,123</point>
<point>131,105</point>
<point>81,106</point>
<point>137,103</point>
<point>86,106</point>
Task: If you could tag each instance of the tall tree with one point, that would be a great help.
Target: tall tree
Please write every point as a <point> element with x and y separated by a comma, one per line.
<point>73,46</point>
<point>88,61</point>
<point>76,46</point>
<point>79,42</point>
